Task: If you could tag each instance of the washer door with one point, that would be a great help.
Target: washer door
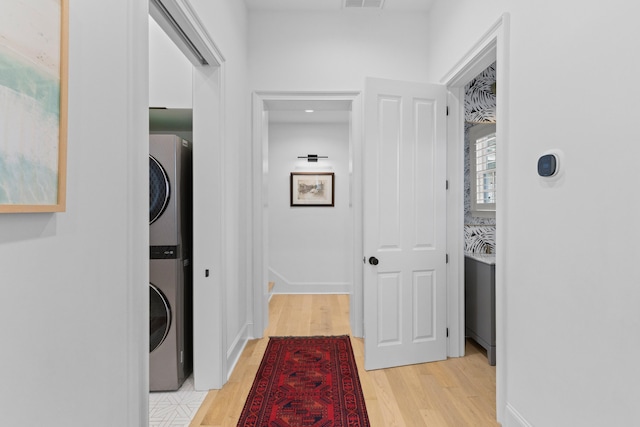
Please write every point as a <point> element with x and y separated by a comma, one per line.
<point>159,190</point>
<point>160,317</point>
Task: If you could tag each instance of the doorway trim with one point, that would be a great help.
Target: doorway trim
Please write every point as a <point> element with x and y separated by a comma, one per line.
<point>260,191</point>
<point>210,362</point>
<point>492,46</point>
<point>134,166</point>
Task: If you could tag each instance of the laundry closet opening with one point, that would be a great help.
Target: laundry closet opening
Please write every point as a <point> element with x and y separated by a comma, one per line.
<point>187,84</point>
<point>310,225</point>
<point>170,214</point>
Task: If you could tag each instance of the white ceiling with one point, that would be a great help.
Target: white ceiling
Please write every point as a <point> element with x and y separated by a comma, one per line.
<point>329,5</point>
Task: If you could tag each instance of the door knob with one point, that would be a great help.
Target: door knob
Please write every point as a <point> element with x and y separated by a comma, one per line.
<point>373,260</point>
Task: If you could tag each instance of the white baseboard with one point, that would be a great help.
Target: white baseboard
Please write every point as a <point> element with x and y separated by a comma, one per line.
<point>513,418</point>
<point>314,289</point>
<point>285,286</point>
<point>235,349</point>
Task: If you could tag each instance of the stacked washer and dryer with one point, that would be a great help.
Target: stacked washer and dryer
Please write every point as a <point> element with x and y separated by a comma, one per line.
<point>170,271</point>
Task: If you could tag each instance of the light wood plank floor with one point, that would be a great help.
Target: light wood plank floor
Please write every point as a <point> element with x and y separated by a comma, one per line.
<point>458,392</point>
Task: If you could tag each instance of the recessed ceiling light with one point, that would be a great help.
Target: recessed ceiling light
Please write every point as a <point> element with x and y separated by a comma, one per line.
<point>308,111</point>
<point>363,3</point>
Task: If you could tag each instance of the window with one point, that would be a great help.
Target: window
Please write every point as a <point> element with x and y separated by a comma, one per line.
<point>482,159</point>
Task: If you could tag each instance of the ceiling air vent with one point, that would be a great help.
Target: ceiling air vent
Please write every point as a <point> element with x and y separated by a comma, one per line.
<point>350,4</point>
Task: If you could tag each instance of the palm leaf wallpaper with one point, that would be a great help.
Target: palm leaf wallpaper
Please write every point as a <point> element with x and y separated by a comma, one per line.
<point>480,107</point>
<point>480,97</point>
<point>480,239</point>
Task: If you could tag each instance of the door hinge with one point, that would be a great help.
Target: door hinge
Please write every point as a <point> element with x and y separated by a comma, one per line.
<point>446,185</point>
<point>447,332</point>
<point>446,258</point>
<point>447,110</point>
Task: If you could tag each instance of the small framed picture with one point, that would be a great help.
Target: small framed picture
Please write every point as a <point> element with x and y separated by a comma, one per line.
<point>312,189</point>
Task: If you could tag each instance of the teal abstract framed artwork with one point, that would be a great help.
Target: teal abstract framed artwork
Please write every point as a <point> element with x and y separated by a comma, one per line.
<point>33,105</point>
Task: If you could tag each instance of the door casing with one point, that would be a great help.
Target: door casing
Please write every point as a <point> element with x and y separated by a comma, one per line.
<point>260,242</point>
<point>493,46</point>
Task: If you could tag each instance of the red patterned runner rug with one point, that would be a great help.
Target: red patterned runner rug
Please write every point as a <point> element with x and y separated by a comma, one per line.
<point>306,381</point>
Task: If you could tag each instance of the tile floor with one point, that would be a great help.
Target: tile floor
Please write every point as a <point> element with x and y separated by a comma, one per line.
<point>176,408</point>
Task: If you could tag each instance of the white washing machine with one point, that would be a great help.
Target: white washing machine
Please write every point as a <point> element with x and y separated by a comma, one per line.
<point>170,287</point>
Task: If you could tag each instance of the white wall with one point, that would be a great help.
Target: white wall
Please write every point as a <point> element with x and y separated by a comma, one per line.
<point>570,252</point>
<point>297,51</point>
<point>310,248</point>
<point>74,283</point>
<point>170,80</point>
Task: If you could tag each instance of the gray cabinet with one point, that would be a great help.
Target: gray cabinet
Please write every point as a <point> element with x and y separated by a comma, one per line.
<point>480,304</point>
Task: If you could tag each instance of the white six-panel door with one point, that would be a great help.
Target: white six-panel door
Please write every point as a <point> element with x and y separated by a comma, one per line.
<point>404,223</point>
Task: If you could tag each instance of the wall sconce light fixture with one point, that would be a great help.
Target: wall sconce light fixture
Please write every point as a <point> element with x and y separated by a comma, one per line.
<point>312,157</point>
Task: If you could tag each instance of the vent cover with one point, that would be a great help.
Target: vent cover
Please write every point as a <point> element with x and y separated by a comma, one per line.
<point>363,3</point>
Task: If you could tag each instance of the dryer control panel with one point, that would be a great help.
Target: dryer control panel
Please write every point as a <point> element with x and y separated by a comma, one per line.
<point>164,252</point>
